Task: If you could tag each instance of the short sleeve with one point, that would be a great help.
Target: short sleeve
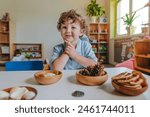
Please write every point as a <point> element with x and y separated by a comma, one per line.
<point>55,55</point>
<point>89,53</point>
<point>57,50</point>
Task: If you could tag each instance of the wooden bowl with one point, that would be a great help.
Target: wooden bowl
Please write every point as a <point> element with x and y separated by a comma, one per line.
<point>129,91</point>
<point>91,80</point>
<point>44,78</point>
<point>29,89</point>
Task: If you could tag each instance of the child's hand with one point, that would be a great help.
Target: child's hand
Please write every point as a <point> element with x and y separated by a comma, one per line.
<point>70,49</point>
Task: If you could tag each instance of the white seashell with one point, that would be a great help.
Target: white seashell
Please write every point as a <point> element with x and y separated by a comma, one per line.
<point>14,89</point>
<point>29,95</point>
<point>4,95</point>
<point>49,74</point>
<point>18,92</point>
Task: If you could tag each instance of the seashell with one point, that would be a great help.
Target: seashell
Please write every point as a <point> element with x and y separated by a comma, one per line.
<point>13,89</point>
<point>18,92</point>
<point>29,95</point>
<point>16,88</point>
<point>4,95</point>
<point>49,74</point>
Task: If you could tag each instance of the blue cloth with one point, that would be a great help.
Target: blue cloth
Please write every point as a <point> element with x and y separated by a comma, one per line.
<point>23,65</point>
<point>83,48</point>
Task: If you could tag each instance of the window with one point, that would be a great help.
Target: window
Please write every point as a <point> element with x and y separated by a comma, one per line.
<point>122,9</point>
<point>142,14</point>
<point>130,6</point>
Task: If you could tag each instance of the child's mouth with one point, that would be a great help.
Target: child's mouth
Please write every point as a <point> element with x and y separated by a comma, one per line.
<point>69,38</point>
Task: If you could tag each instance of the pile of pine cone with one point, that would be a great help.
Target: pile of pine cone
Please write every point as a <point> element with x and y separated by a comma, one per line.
<point>97,70</point>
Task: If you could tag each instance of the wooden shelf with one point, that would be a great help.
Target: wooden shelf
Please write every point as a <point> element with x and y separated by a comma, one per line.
<point>142,55</point>
<point>103,52</point>
<point>35,57</point>
<point>34,49</point>
<point>99,32</point>
<point>31,51</point>
<point>4,43</point>
<point>103,33</point>
<point>147,70</point>
<point>4,21</point>
<point>7,36</point>
<point>4,32</point>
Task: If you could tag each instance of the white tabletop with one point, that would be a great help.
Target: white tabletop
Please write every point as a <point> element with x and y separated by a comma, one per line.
<point>63,89</point>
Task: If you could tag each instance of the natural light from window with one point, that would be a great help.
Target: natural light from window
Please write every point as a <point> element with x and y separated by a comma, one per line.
<point>142,14</point>
<point>123,8</point>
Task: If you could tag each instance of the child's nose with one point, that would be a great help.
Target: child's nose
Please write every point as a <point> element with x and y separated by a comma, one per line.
<point>68,29</point>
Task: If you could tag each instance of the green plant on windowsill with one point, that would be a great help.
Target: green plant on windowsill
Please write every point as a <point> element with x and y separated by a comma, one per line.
<point>128,21</point>
<point>94,10</point>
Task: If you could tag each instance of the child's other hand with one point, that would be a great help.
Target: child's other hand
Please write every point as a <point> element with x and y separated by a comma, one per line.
<point>70,49</point>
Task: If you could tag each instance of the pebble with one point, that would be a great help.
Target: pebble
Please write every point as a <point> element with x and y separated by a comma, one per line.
<point>78,93</point>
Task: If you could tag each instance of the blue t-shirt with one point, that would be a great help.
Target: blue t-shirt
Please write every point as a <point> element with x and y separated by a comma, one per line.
<point>83,48</point>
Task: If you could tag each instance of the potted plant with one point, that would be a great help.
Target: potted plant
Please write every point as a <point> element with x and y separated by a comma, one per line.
<point>128,21</point>
<point>94,11</point>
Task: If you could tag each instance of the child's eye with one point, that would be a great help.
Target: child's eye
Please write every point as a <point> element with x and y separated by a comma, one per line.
<point>64,27</point>
<point>73,27</point>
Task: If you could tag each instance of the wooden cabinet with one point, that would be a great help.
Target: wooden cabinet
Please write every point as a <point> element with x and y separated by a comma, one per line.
<point>142,55</point>
<point>33,50</point>
<point>99,38</point>
<point>7,35</point>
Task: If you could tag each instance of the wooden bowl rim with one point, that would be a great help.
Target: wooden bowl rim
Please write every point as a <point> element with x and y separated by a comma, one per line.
<point>91,80</point>
<point>42,80</point>
<point>128,88</point>
<point>91,76</point>
<point>59,73</point>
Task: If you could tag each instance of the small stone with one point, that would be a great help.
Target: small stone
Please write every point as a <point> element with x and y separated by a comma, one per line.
<point>78,94</point>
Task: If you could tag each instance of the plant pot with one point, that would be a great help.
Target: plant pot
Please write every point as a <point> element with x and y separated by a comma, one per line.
<point>145,30</point>
<point>93,19</point>
<point>131,30</point>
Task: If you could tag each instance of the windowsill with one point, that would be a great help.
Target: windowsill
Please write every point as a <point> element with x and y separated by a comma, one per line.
<point>128,36</point>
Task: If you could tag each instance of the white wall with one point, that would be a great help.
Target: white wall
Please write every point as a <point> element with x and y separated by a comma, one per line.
<point>6,6</point>
<point>36,20</point>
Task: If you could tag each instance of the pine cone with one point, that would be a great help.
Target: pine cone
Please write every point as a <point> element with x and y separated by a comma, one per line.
<point>97,70</point>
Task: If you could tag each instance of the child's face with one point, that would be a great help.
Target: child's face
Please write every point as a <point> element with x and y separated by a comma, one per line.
<point>70,31</point>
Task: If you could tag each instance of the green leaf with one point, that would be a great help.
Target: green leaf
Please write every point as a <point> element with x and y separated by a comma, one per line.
<point>128,19</point>
<point>94,9</point>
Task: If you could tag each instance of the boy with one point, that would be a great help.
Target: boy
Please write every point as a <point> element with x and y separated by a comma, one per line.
<point>18,56</point>
<point>74,53</point>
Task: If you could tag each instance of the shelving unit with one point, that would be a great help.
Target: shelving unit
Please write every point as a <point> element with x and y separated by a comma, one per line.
<point>142,55</point>
<point>99,35</point>
<point>34,50</point>
<point>7,35</point>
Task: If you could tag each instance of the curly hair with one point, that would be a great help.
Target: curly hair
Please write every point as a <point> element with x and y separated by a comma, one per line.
<point>71,14</point>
